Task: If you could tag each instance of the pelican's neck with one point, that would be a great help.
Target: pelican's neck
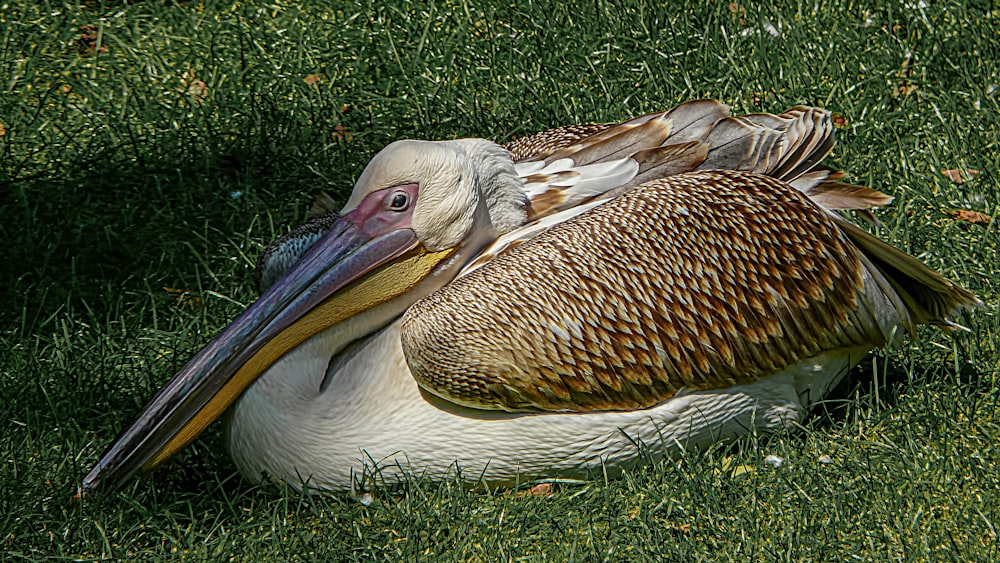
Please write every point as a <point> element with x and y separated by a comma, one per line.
<point>335,370</point>
<point>284,425</point>
<point>359,361</point>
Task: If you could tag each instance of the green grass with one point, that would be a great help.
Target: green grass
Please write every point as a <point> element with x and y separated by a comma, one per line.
<point>167,143</point>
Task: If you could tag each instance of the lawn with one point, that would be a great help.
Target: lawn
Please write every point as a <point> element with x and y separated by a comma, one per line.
<point>149,150</point>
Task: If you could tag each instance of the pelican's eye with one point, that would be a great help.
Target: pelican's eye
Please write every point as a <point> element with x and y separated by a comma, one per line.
<point>399,201</point>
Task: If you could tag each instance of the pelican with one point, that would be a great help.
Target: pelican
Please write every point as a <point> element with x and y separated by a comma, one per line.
<point>550,307</point>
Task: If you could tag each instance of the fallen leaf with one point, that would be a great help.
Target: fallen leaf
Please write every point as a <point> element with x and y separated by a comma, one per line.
<point>759,98</point>
<point>86,44</point>
<point>839,120</point>
<point>736,9</point>
<point>541,489</point>
<point>194,87</point>
<point>184,297</point>
<point>903,89</point>
<point>733,470</point>
<point>960,176</point>
<point>340,133</point>
<point>742,471</point>
<point>974,217</point>
<point>346,108</point>
<point>907,66</point>
<point>3,129</point>
<point>312,79</point>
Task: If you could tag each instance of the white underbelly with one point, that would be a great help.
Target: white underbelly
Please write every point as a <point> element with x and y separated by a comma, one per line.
<point>373,422</point>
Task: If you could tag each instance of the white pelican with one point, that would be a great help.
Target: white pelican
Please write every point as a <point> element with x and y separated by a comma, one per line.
<point>549,307</point>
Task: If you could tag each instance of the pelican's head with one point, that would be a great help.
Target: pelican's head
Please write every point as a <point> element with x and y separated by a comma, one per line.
<point>419,211</point>
<point>447,189</point>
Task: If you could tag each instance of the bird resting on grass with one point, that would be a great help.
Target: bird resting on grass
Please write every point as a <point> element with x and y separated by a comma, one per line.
<point>550,307</point>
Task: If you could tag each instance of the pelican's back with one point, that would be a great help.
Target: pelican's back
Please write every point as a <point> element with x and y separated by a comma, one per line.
<point>720,262</point>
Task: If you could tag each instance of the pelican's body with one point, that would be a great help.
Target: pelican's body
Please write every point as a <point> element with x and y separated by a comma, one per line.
<point>556,307</point>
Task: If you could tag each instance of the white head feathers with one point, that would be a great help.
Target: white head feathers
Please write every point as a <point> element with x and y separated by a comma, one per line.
<point>460,182</point>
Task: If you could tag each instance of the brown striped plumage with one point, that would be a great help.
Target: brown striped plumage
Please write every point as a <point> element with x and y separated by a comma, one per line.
<point>704,280</point>
<point>540,145</point>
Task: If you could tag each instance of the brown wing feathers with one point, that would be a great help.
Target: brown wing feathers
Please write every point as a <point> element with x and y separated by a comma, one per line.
<point>691,281</point>
<point>685,279</point>
<point>545,143</point>
<point>701,135</point>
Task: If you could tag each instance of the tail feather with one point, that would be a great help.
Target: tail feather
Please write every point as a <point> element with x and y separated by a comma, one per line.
<point>836,195</point>
<point>698,135</point>
<point>928,296</point>
<point>692,121</point>
<point>783,146</point>
<point>617,143</point>
<point>567,170</point>
<point>810,181</point>
<point>666,161</point>
<point>739,144</point>
<point>809,138</point>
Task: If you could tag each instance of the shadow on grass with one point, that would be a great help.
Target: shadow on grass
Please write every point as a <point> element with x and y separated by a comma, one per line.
<point>878,383</point>
<point>131,218</point>
<point>92,236</point>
